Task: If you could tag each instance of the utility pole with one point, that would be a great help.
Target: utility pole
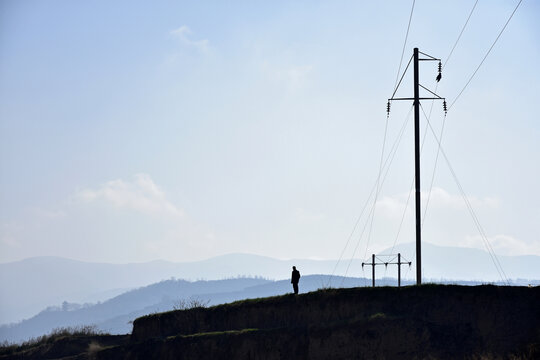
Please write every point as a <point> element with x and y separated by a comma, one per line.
<point>373,264</point>
<point>416,102</point>
<point>399,263</point>
<point>417,169</point>
<point>399,270</point>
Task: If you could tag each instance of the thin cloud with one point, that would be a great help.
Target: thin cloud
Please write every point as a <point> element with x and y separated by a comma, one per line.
<point>49,214</point>
<point>184,32</point>
<point>303,215</point>
<point>393,205</point>
<point>294,77</point>
<point>141,195</point>
<point>442,198</point>
<point>503,245</point>
<point>8,234</point>
<point>297,75</point>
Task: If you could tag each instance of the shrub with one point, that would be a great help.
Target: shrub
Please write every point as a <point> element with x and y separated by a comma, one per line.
<point>191,303</point>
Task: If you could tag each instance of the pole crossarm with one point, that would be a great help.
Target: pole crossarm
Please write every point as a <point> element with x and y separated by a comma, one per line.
<point>422,98</point>
<point>437,97</point>
<point>371,263</point>
<point>389,263</point>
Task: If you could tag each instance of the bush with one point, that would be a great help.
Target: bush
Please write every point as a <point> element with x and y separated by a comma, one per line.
<point>82,330</point>
<point>191,303</point>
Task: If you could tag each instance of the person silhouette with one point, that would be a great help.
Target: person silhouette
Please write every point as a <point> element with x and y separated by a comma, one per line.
<point>295,277</point>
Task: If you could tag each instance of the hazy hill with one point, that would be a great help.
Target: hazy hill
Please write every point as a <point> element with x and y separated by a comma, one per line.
<point>115,315</point>
<point>30,285</point>
<point>124,307</point>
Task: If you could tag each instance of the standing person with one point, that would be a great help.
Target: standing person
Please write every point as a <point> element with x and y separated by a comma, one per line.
<point>295,277</point>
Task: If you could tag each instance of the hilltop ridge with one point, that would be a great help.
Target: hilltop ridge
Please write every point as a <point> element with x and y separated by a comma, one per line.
<point>428,321</point>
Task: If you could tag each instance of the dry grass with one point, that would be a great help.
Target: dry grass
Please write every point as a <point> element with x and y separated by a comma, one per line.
<point>7,348</point>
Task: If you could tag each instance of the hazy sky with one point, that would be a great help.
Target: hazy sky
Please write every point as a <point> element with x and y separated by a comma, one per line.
<point>141,130</point>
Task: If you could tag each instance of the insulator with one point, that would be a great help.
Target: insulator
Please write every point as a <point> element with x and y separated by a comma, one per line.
<point>388,108</point>
<point>439,75</point>
<point>444,107</point>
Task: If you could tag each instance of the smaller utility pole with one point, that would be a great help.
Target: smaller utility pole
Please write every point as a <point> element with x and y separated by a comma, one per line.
<point>398,270</point>
<point>373,264</point>
<point>373,268</point>
<point>399,263</point>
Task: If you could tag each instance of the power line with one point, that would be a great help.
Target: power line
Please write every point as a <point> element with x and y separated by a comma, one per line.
<point>372,212</point>
<point>439,148</point>
<point>433,174</point>
<point>444,119</point>
<point>409,195</point>
<point>352,233</point>
<point>389,159</point>
<point>385,131</point>
<point>485,56</point>
<point>403,216</point>
<point>487,244</point>
<point>461,33</point>
<point>476,221</point>
<point>357,243</point>
<point>404,44</point>
<point>484,237</point>
<point>393,149</point>
<point>392,153</point>
<point>378,184</point>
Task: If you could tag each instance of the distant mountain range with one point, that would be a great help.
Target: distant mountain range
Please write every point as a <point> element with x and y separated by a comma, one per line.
<point>31,285</point>
<point>115,315</point>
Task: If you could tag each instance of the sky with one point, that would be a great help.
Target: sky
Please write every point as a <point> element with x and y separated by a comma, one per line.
<point>132,130</point>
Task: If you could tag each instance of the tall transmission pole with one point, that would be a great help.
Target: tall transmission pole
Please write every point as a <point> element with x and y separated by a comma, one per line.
<point>417,169</point>
<point>416,102</point>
